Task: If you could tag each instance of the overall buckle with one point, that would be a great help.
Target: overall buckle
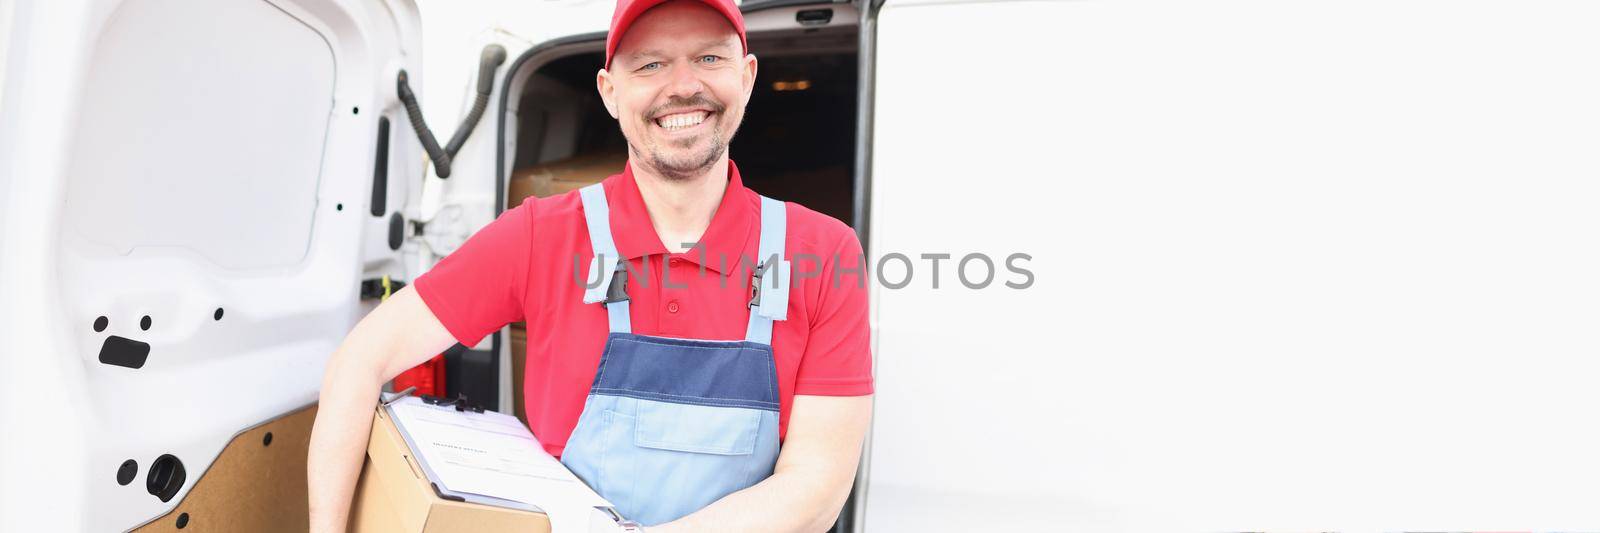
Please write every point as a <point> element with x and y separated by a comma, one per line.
<point>618,290</point>
<point>755,284</point>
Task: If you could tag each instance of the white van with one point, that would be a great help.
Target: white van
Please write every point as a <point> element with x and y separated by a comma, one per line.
<point>1289,265</point>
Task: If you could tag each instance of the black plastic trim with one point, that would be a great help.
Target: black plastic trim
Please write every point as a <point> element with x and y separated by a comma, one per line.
<point>128,471</point>
<point>166,477</point>
<point>380,170</point>
<point>866,81</point>
<point>430,144</point>
<point>757,5</point>
<point>489,60</point>
<point>124,352</point>
<point>821,16</point>
<point>397,231</point>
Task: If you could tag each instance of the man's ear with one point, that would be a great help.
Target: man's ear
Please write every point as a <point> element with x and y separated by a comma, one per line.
<point>608,91</point>
<point>749,76</point>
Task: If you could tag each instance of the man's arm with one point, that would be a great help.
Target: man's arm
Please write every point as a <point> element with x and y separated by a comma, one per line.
<point>811,481</point>
<point>399,334</point>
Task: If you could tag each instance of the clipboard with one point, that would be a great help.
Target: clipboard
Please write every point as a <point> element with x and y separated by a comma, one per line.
<point>427,470</point>
<point>464,413</point>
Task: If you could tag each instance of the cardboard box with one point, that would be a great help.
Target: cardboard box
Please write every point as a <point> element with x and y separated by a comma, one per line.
<point>393,495</point>
<point>562,176</point>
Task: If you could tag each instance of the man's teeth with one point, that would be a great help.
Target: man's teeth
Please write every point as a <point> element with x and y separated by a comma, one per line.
<point>681,120</point>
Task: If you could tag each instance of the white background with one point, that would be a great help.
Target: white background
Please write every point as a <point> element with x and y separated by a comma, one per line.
<point>1300,265</point>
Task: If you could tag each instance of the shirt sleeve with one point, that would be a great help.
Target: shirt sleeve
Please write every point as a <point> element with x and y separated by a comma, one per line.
<point>479,288</point>
<point>838,354</point>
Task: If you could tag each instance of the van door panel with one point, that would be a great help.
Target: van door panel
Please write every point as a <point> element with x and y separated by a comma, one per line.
<point>196,180</point>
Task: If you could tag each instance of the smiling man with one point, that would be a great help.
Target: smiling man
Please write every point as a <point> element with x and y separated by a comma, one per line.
<point>676,361</point>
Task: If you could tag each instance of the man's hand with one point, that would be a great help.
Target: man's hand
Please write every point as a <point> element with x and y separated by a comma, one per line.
<point>399,334</point>
<point>815,470</point>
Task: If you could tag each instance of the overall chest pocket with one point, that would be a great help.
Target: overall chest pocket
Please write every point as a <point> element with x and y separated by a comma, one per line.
<point>679,458</point>
<point>696,428</point>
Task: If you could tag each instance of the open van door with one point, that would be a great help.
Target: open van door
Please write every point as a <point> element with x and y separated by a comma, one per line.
<point>192,194</point>
<point>485,43</point>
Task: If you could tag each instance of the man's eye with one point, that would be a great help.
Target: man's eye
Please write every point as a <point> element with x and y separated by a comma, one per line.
<point>651,66</point>
<point>709,59</point>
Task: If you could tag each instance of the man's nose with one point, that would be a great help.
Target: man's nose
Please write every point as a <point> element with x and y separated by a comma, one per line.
<point>685,81</point>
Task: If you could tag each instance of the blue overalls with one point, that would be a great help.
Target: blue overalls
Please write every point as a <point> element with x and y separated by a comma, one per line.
<point>672,425</point>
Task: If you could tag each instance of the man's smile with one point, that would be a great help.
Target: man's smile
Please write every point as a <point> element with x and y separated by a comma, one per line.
<point>682,121</point>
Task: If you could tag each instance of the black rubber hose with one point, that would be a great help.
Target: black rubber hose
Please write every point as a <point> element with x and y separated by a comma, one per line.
<point>488,62</point>
<point>441,160</point>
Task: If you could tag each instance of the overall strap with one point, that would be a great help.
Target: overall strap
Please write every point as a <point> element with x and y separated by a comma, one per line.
<point>607,265</point>
<point>769,285</point>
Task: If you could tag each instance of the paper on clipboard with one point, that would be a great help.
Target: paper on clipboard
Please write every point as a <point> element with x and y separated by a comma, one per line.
<point>493,455</point>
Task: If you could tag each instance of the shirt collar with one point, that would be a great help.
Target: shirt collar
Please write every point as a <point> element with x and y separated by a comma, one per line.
<point>719,250</point>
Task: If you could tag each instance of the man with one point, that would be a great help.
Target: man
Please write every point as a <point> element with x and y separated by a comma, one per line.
<point>655,370</point>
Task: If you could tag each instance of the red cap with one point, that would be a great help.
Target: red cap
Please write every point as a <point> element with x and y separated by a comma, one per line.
<point>629,11</point>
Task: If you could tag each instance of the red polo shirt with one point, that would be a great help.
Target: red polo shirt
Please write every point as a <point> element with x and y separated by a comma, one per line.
<point>527,265</point>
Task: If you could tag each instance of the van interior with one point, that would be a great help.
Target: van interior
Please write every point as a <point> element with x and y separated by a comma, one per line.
<point>797,142</point>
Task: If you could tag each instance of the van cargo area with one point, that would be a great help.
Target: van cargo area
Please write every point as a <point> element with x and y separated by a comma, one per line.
<point>797,142</point>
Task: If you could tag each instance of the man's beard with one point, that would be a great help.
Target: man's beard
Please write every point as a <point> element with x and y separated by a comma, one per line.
<point>689,165</point>
<point>685,166</point>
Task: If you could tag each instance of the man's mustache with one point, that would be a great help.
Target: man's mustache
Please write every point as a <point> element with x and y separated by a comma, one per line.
<point>676,103</point>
